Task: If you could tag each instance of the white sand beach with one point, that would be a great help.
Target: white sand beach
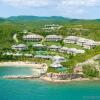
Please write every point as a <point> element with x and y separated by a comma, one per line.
<point>37,68</point>
<point>22,64</point>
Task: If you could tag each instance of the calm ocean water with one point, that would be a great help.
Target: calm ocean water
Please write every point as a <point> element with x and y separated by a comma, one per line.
<point>40,90</point>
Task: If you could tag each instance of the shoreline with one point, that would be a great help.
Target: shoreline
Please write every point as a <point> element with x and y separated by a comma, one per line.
<point>38,65</point>
<point>46,79</point>
<point>21,64</point>
<point>69,80</point>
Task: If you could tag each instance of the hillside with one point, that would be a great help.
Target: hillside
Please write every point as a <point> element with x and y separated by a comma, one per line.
<point>52,19</point>
<point>32,18</point>
<point>8,26</point>
<point>2,20</point>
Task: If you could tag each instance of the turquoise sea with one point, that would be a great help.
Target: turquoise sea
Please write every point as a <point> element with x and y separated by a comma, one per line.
<point>40,90</point>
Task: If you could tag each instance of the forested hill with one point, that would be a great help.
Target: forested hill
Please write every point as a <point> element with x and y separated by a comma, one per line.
<point>2,19</point>
<point>52,19</point>
<point>28,18</point>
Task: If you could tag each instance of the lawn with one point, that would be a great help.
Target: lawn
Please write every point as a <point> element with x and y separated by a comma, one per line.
<point>73,46</point>
<point>52,43</point>
<point>32,43</point>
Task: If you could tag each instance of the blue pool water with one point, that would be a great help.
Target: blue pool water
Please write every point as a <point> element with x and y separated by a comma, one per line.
<point>40,90</point>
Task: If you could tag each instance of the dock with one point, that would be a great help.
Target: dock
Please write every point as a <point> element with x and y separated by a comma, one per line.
<point>20,77</point>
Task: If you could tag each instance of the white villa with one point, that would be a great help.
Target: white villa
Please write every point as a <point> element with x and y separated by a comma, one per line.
<point>86,43</point>
<point>81,41</point>
<point>78,69</point>
<point>51,27</point>
<point>79,51</point>
<point>54,48</point>
<point>53,38</point>
<point>32,37</point>
<point>13,54</point>
<point>89,44</point>
<point>71,50</point>
<point>71,39</point>
<point>19,47</point>
<point>25,31</point>
<point>17,54</point>
<point>28,55</point>
<point>75,51</point>
<point>8,53</point>
<point>43,56</point>
<point>63,49</point>
<point>58,59</point>
<point>56,65</point>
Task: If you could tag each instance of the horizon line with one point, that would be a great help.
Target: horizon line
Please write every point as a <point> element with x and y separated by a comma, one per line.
<point>5,17</point>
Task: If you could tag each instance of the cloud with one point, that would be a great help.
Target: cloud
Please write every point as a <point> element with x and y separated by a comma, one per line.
<point>63,7</point>
<point>79,3</point>
<point>56,3</point>
<point>26,3</point>
<point>76,7</point>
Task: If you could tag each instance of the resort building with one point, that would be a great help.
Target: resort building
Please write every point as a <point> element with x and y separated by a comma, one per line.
<point>25,31</point>
<point>74,51</point>
<point>78,70</point>
<point>89,44</point>
<point>80,51</point>
<point>32,37</point>
<point>86,43</point>
<point>51,27</point>
<point>28,55</point>
<point>54,48</point>
<point>13,54</point>
<point>81,41</point>
<point>63,49</point>
<point>71,50</point>
<point>17,54</point>
<point>43,56</point>
<point>53,38</point>
<point>19,47</point>
<point>58,59</point>
<point>8,53</point>
<point>97,43</point>
<point>56,65</point>
<point>71,39</point>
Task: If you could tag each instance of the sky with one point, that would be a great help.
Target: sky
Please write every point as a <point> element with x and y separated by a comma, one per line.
<point>80,9</point>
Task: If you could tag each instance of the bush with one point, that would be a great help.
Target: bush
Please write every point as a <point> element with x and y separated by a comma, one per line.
<point>90,71</point>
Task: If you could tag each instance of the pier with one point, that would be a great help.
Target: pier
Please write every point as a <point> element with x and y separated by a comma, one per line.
<point>20,77</point>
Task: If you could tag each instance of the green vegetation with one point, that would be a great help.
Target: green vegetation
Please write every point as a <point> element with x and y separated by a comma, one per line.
<point>90,71</point>
<point>73,46</point>
<point>52,43</point>
<point>73,60</point>
<point>84,28</point>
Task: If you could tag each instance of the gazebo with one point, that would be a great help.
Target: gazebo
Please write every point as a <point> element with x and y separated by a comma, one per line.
<point>56,65</point>
<point>58,59</point>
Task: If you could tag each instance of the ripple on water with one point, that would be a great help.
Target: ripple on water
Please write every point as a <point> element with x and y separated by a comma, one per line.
<point>40,90</point>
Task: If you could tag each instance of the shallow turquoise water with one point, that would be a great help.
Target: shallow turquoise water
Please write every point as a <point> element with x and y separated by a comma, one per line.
<point>15,71</point>
<point>40,90</point>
